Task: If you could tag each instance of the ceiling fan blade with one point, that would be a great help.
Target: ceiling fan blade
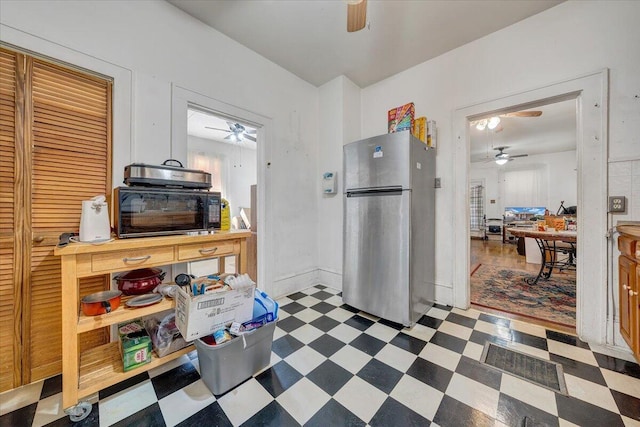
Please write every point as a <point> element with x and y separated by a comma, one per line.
<point>518,155</point>
<point>223,130</point>
<point>251,131</point>
<point>356,15</point>
<point>229,136</point>
<point>532,113</point>
<point>249,137</point>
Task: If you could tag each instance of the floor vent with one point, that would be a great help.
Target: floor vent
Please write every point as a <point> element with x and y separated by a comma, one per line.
<point>533,369</point>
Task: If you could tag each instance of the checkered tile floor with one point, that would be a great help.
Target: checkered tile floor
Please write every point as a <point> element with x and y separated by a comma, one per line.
<point>334,366</point>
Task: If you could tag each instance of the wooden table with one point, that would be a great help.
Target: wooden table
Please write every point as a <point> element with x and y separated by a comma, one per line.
<point>100,367</point>
<point>547,243</point>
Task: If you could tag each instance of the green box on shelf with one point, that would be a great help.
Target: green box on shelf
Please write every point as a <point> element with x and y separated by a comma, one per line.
<point>135,344</point>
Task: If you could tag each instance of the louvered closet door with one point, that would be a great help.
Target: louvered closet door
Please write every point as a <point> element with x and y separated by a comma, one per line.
<point>70,162</point>
<point>10,268</point>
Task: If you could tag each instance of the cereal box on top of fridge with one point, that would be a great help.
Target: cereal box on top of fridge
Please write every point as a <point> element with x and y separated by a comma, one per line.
<point>401,118</point>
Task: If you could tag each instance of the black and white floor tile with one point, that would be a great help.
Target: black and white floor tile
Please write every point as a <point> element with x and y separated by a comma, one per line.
<point>334,366</point>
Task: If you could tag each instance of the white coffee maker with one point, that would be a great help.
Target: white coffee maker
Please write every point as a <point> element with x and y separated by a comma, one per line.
<point>94,221</point>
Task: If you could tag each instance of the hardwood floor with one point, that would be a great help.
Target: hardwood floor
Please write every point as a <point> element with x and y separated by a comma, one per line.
<point>494,252</point>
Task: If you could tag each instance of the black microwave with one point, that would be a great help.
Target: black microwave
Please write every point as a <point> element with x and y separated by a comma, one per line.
<point>145,211</point>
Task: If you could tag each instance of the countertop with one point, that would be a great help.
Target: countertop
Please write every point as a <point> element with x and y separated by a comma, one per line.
<point>631,228</point>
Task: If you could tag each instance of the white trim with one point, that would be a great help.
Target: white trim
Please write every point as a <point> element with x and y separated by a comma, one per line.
<point>180,100</point>
<point>286,285</point>
<point>332,279</point>
<point>591,94</point>
<point>444,295</point>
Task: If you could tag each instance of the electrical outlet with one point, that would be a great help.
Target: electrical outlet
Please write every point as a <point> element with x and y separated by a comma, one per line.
<point>617,203</point>
<point>437,183</point>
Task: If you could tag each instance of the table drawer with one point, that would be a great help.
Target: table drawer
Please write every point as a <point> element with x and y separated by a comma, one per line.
<point>627,246</point>
<point>132,259</point>
<point>206,250</point>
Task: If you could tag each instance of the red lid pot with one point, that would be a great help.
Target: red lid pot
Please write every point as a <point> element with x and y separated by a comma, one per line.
<point>141,281</point>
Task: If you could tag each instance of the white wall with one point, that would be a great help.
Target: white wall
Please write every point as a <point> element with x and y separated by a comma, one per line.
<point>162,46</point>
<point>340,124</point>
<point>566,41</point>
<point>561,179</point>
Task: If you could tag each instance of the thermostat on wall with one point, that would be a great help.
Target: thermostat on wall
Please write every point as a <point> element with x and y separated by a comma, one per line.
<point>329,183</point>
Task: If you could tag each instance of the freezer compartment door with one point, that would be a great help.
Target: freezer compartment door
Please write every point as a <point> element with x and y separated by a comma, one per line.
<point>380,161</point>
<point>376,253</point>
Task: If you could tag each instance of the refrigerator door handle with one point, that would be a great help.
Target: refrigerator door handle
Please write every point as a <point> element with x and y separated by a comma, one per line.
<point>382,191</point>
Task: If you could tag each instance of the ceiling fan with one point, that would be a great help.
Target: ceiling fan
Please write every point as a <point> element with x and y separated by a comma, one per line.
<point>356,15</point>
<point>237,132</point>
<point>493,122</point>
<point>501,158</point>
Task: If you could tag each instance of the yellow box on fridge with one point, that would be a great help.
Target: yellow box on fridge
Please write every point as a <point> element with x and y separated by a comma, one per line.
<point>420,128</point>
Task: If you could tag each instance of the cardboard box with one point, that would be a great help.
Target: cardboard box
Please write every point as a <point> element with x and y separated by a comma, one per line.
<point>401,118</point>
<point>135,344</point>
<point>204,314</point>
<point>432,134</point>
<point>420,128</point>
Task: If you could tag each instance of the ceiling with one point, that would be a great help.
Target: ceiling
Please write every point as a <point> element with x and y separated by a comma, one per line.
<point>309,37</point>
<point>198,121</point>
<point>553,131</point>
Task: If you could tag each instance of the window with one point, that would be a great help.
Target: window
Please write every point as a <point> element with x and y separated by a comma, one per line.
<point>476,204</point>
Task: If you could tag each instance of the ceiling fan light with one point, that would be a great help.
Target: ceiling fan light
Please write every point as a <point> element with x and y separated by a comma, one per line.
<point>493,122</point>
<point>481,124</point>
<point>239,137</point>
<point>501,161</point>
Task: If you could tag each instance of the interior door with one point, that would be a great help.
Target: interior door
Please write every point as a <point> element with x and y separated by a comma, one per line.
<point>11,97</point>
<point>56,134</point>
<point>70,161</point>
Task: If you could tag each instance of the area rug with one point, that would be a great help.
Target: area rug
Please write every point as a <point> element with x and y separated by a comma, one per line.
<point>505,289</point>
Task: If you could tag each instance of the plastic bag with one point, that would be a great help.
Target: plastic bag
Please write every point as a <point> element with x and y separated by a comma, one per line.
<point>164,333</point>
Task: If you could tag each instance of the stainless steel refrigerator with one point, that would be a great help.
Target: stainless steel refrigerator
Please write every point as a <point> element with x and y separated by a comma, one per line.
<point>389,227</point>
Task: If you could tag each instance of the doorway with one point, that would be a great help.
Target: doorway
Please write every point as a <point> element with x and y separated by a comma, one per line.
<point>590,93</point>
<point>522,166</point>
<point>182,99</point>
<point>227,149</point>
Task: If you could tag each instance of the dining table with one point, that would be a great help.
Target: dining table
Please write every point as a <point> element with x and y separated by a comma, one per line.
<point>551,243</point>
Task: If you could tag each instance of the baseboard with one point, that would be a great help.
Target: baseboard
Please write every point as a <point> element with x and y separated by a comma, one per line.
<point>616,341</point>
<point>286,285</point>
<point>444,295</point>
<point>332,279</point>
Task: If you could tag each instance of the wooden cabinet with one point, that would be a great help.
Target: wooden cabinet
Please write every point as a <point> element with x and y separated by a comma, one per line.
<point>628,286</point>
<point>88,372</point>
